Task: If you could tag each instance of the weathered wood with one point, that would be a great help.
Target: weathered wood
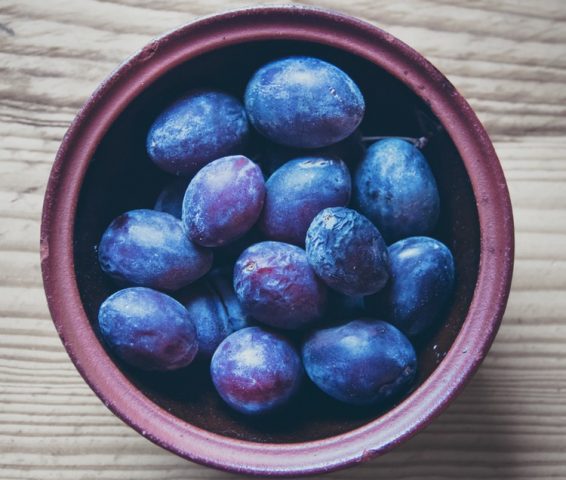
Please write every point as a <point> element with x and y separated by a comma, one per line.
<point>508,58</point>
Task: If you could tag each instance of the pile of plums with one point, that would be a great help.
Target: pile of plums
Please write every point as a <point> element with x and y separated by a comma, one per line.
<point>296,239</point>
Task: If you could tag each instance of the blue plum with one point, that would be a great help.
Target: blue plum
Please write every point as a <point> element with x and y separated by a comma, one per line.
<point>395,188</point>
<point>215,311</point>
<point>148,329</point>
<point>297,191</point>
<point>276,286</point>
<point>344,307</point>
<point>256,371</point>
<point>223,201</point>
<point>347,252</point>
<point>199,127</point>
<point>271,156</point>
<point>228,254</point>
<point>422,282</point>
<point>150,249</point>
<point>303,102</point>
<point>363,362</point>
<point>170,200</point>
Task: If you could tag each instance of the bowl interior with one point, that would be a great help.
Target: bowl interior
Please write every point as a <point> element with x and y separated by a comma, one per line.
<point>121,178</point>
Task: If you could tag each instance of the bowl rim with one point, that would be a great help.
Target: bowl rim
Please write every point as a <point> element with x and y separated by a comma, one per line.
<point>248,25</point>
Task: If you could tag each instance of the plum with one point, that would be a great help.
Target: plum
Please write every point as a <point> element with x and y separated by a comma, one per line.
<point>215,311</point>
<point>422,282</point>
<point>276,286</point>
<point>271,155</point>
<point>395,188</point>
<point>363,362</point>
<point>199,127</point>
<point>256,371</point>
<point>303,102</point>
<point>223,201</point>
<point>148,329</point>
<point>170,200</point>
<point>150,249</point>
<point>226,255</point>
<point>347,252</point>
<point>343,307</point>
<point>297,191</point>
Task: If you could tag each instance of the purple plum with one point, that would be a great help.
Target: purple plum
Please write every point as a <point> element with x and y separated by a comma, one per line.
<point>271,156</point>
<point>199,127</point>
<point>150,249</point>
<point>276,286</point>
<point>148,329</point>
<point>297,191</point>
<point>170,200</point>
<point>215,311</point>
<point>363,362</point>
<point>223,201</point>
<point>256,371</point>
<point>303,102</point>
<point>395,188</point>
<point>347,252</point>
<point>422,282</point>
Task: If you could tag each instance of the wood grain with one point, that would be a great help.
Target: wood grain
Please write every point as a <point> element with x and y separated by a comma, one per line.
<point>508,58</point>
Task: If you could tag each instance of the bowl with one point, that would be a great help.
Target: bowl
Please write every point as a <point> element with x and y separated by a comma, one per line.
<point>102,170</point>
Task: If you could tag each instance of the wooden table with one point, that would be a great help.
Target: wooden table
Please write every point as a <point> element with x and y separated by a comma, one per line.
<point>508,58</point>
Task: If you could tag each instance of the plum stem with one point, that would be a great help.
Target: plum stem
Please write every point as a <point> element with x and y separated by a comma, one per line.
<point>430,127</point>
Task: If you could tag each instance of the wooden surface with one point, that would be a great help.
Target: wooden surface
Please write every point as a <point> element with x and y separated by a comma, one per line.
<point>508,58</point>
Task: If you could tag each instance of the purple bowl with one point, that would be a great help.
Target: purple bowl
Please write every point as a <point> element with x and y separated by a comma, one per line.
<point>102,169</point>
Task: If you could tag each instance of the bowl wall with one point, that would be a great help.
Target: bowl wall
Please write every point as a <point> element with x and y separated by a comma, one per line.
<point>102,170</point>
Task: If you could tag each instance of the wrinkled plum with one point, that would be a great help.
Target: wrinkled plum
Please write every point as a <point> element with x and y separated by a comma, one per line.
<point>297,191</point>
<point>197,128</point>
<point>303,102</point>
<point>170,200</point>
<point>395,188</point>
<point>363,362</point>
<point>223,201</point>
<point>148,329</point>
<point>422,282</point>
<point>215,310</point>
<point>150,249</point>
<point>256,371</point>
<point>347,252</point>
<point>276,285</point>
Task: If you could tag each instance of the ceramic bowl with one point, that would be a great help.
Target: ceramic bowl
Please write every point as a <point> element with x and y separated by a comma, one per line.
<point>102,170</point>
